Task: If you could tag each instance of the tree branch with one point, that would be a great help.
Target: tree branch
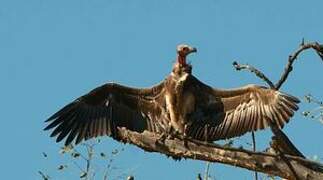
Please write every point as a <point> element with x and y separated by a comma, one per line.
<point>253,70</point>
<point>289,66</point>
<point>271,164</point>
<point>291,59</point>
<point>254,149</point>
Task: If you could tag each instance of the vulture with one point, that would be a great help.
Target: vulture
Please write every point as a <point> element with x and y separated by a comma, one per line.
<point>180,103</point>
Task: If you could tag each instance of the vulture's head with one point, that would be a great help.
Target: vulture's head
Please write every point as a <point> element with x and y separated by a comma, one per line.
<point>184,50</point>
<point>181,66</point>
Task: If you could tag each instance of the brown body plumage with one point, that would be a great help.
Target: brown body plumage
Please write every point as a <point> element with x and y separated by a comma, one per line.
<point>180,102</point>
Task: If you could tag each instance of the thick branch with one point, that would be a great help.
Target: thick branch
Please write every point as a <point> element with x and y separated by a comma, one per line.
<point>263,162</point>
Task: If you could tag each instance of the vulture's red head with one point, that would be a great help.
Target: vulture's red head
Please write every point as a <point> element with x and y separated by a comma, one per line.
<point>183,50</point>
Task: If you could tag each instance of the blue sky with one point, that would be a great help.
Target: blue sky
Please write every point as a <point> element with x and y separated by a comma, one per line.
<point>51,52</point>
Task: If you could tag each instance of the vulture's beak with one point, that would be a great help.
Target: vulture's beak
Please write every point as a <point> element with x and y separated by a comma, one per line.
<point>192,50</point>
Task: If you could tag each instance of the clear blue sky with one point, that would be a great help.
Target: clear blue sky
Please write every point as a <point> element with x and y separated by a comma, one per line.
<point>54,51</point>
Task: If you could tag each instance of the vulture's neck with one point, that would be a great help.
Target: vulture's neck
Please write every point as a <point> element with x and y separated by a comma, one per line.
<point>181,67</point>
<point>181,59</point>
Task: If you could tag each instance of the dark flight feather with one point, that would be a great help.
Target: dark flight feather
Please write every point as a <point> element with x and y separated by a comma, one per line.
<point>102,110</point>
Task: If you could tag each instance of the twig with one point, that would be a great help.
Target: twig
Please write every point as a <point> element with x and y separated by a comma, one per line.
<point>107,169</point>
<point>289,66</point>
<point>206,175</point>
<point>199,177</point>
<point>81,155</point>
<point>315,113</point>
<point>254,70</point>
<point>45,177</point>
<point>78,166</point>
<point>254,150</point>
<point>89,159</point>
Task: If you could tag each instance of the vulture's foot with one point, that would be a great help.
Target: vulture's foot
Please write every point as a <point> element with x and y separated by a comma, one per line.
<point>171,132</point>
<point>162,138</point>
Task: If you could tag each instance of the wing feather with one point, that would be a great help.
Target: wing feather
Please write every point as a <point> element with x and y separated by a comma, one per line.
<point>104,109</point>
<point>82,130</point>
<point>247,109</point>
<point>252,118</point>
<point>228,123</point>
<point>258,121</point>
<point>74,129</point>
<point>65,122</point>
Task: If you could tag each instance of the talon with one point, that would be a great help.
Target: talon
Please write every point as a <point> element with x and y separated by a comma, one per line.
<point>162,138</point>
<point>171,133</point>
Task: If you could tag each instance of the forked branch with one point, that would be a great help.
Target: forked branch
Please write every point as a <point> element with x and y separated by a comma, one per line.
<point>289,66</point>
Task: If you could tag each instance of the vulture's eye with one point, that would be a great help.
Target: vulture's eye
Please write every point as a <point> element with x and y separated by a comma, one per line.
<point>185,48</point>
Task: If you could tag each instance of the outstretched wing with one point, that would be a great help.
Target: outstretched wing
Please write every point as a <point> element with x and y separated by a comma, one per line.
<point>104,109</point>
<point>231,113</point>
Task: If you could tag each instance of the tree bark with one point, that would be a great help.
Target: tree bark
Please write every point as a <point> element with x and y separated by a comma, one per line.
<point>285,166</point>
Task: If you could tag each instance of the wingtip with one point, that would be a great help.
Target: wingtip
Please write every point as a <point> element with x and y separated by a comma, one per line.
<point>47,128</point>
<point>62,111</point>
<point>48,120</point>
<point>67,144</point>
<point>58,140</point>
<point>291,97</point>
<point>295,99</point>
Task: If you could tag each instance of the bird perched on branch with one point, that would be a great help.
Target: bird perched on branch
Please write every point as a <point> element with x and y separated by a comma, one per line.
<point>181,103</point>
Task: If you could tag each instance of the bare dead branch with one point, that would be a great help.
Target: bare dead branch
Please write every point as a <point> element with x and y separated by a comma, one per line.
<point>44,176</point>
<point>289,66</point>
<point>207,169</point>
<point>315,113</point>
<point>268,163</point>
<point>254,150</point>
<point>199,177</point>
<point>291,59</point>
<point>253,70</point>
